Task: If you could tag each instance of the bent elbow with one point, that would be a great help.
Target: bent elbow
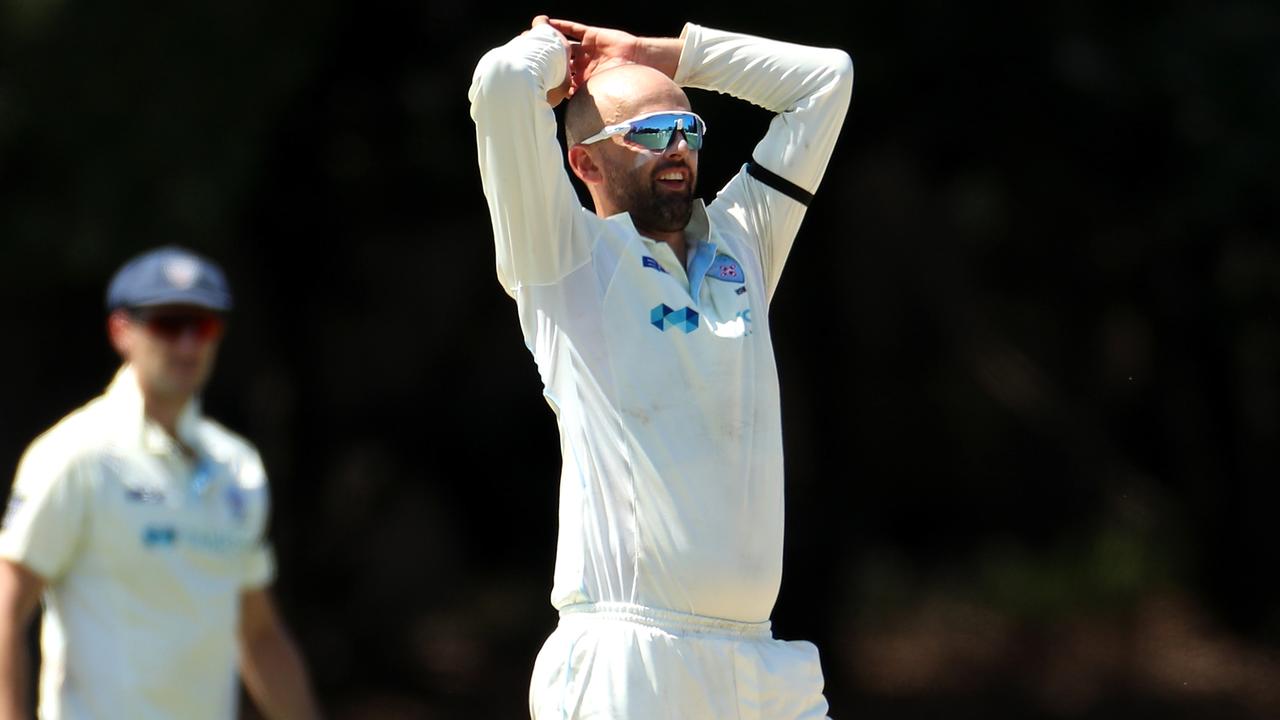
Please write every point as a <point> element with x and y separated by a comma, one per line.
<point>499,75</point>
<point>842,66</point>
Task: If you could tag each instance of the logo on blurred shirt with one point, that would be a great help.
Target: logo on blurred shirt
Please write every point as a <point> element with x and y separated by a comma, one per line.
<point>146,496</point>
<point>159,536</point>
<point>663,317</point>
<point>11,511</point>
<point>235,504</point>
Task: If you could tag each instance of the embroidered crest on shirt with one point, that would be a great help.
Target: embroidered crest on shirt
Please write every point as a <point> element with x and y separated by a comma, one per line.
<point>727,269</point>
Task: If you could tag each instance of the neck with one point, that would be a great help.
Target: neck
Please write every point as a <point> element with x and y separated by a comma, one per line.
<point>164,412</point>
<point>675,240</point>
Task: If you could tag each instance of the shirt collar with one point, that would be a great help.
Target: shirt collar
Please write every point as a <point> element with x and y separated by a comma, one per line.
<point>135,429</point>
<point>696,232</point>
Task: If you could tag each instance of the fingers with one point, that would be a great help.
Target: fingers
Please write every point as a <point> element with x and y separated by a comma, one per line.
<point>568,28</point>
<point>539,20</point>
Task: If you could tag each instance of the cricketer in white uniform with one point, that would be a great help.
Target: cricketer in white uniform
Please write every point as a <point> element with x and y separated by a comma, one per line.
<point>143,523</point>
<point>652,342</point>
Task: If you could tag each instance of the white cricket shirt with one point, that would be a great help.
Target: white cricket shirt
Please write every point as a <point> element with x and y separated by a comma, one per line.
<point>662,377</point>
<point>145,552</point>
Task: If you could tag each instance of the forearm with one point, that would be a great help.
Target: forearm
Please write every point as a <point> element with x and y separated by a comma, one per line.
<point>660,53</point>
<point>20,591</point>
<point>773,74</point>
<point>276,677</point>
<point>14,674</point>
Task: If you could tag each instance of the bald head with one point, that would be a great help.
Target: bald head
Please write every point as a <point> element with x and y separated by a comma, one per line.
<point>617,94</point>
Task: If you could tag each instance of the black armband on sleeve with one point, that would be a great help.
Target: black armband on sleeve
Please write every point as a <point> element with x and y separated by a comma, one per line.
<point>779,183</point>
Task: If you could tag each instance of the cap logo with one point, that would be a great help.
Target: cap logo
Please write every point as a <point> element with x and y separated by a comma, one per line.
<point>181,272</point>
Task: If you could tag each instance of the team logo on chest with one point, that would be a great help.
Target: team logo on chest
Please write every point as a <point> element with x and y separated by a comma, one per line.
<point>727,269</point>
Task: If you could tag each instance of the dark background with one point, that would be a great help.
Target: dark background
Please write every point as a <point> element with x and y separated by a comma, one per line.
<point>1027,338</point>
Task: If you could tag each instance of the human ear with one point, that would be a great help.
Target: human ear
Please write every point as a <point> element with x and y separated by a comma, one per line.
<point>585,166</point>
<point>118,331</point>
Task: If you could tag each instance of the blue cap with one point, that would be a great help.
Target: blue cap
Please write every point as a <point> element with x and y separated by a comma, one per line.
<point>169,276</point>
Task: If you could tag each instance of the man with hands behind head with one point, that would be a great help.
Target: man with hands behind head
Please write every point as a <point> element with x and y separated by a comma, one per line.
<point>142,522</point>
<point>647,319</point>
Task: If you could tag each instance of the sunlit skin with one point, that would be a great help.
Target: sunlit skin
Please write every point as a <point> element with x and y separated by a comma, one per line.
<point>656,188</point>
<point>170,371</point>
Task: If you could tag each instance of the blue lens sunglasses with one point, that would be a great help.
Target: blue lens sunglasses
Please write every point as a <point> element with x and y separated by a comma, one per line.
<point>654,131</point>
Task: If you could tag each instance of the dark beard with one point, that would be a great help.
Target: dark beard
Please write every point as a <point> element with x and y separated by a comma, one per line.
<point>650,207</point>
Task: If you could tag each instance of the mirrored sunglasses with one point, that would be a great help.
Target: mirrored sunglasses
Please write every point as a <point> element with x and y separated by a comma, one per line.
<point>173,325</point>
<point>654,131</point>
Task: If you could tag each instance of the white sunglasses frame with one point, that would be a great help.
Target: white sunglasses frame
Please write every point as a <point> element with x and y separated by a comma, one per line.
<point>624,127</point>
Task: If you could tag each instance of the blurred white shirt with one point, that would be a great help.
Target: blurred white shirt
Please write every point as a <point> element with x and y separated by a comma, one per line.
<point>145,550</point>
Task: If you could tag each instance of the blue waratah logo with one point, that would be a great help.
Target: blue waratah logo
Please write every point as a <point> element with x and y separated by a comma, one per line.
<point>663,317</point>
<point>727,269</point>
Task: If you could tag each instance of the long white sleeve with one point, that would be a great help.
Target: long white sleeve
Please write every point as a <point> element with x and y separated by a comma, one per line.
<point>808,87</point>
<point>532,203</point>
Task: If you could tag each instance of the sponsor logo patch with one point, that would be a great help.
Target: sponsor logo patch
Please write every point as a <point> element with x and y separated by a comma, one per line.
<point>209,541</point>
<point>652,263</point>
<point>146,496</point>
<point>159,536</point>
<point>663,317</point>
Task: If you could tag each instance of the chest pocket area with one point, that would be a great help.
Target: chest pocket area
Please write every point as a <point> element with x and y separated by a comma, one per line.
<point>725,299</point>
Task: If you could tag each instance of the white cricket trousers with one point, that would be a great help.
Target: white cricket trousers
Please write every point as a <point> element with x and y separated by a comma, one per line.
<point>617,661</point>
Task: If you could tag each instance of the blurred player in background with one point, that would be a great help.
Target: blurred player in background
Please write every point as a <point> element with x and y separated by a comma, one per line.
<point>141,522</point>
<point>648,322</point>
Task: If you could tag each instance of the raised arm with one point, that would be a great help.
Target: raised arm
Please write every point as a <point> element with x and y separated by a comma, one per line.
<point>598,48</point>
<point>809,88</point>
<point>532,204</point>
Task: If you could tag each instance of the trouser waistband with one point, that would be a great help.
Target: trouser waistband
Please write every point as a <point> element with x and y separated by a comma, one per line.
<point>669,620</point>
